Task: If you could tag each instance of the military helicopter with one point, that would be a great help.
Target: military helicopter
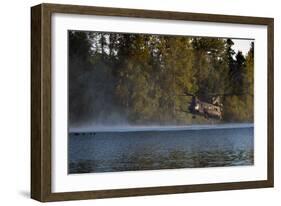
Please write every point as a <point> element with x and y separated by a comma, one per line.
<point>208,109</point>
<point>213,109</point>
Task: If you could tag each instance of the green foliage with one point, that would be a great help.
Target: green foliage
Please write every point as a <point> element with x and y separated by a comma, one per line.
<point>143,78</point>
<point>240,106</point>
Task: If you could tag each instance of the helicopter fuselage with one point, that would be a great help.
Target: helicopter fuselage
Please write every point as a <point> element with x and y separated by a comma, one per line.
<point>205,109</point>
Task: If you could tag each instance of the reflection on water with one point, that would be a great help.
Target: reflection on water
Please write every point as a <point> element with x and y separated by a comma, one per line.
<point>150,150</point>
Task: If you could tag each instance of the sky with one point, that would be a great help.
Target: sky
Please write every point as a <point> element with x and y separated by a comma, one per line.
<point>242,45</point>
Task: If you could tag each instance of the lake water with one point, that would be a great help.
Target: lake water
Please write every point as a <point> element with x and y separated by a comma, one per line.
<point>150,148</point>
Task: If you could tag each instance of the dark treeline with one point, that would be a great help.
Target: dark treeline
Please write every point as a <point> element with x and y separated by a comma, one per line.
<point>117,78</point>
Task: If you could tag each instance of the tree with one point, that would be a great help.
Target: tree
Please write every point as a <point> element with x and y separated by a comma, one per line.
<point>250,83</point>
<point>209,66</point>
<point>79,63</point>
<point>239,105</point>
<point>239,76</point>
<point>250,70</point>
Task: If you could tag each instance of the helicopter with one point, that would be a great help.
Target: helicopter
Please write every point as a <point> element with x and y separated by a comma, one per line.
<point>211,108</point>
<point>208,109</point>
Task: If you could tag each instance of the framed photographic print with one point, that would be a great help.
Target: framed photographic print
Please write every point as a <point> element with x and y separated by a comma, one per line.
<point>132,102</point>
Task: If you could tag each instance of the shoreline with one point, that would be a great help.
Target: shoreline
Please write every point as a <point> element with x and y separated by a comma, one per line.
<point>157,128</point>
